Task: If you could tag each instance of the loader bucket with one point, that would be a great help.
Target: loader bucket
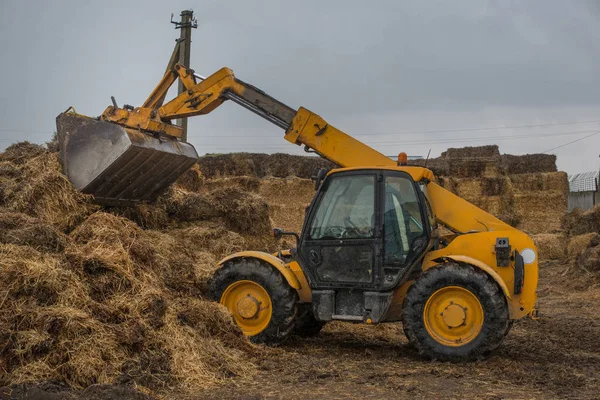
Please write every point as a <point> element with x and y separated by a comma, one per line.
<point>119,166</point>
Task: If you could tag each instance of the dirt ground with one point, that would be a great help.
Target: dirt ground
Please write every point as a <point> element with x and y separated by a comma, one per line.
<point>556,357</point>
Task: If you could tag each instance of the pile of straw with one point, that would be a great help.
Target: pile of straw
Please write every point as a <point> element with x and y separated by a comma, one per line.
<point>95,295</point>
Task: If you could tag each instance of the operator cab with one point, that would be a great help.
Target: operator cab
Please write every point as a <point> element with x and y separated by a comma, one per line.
<point>364,233</point>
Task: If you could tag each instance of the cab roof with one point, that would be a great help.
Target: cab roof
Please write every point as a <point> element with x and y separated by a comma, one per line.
<point>417,173</point>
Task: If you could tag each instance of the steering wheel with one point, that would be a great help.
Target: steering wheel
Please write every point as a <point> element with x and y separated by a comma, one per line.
<point>338,232</point>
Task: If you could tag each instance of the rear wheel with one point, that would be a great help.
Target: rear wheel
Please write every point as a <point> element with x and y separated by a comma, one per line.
<point>455,313</point>
<point>306,323</point>
<point>259,298</point>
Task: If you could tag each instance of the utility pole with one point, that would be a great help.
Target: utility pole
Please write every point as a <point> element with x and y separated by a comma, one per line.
<point>183,47</point>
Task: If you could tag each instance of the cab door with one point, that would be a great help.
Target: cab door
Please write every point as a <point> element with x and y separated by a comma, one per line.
<point>341,241</point>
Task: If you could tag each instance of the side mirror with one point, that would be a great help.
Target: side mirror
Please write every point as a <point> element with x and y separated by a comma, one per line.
<point>278,233</point>
<point>318,176</point>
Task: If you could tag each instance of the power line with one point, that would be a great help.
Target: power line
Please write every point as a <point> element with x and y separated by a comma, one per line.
<point>440,141</point>
<point>571,142</point>
<point>439,131</point>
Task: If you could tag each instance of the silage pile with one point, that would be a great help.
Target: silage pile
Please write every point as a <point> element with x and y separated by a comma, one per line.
<point>95,295</point>
<point>525,191</point>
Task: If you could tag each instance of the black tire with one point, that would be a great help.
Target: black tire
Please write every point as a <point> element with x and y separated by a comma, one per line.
<point>283,297</point>
<point>306,324</point>
<point>495,322</point>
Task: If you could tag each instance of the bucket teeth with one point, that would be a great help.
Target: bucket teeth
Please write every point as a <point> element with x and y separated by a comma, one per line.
<point>119,166</point>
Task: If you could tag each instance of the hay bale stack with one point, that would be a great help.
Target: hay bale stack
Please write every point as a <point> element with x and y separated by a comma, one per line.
<point>544,181</point>
<point>524,191</point>
<point>466,162</point>
<point>540,212</point>
<point>528,163</point>
<point>550,246</point>
<point>260,165</point>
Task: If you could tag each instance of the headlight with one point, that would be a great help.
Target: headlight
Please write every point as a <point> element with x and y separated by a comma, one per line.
<point>529,256</point>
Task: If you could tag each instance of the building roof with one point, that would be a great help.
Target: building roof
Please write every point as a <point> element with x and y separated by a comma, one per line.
<point>584,182</point>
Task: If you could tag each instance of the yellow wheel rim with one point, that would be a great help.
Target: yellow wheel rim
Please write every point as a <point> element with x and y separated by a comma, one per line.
<point>250,305</point>
<point>453,316</point>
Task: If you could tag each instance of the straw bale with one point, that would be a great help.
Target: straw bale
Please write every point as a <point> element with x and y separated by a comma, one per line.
<point>550,246</point>
<point>22,152</point>
<point>488,151</point>
<point>577,244</point>
<point>469,168</point>
<point>528,163</point>
<point>261,165</point>
<point>496,186</point>
<point>469,189</point>
<point>448,183</point>
<point>540,212</point>
<point>534,182</point>
<point>439,166</point>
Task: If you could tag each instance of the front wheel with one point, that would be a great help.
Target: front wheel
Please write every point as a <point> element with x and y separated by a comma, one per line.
<point>455,312</point>
<point>261,301</point>
<point>306,324</point>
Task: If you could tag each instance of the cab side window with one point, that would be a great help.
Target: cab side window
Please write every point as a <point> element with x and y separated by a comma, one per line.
<point>403,222</point>
<point>347,209</point>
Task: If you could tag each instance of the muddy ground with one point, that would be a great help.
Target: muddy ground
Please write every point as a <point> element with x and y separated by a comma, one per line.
<point>556,357</point>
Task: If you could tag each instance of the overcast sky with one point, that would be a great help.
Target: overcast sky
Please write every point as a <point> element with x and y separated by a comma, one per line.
<point>387,72</point>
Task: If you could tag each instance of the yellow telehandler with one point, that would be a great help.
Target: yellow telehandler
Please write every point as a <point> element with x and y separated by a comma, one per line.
<point>370,250</point>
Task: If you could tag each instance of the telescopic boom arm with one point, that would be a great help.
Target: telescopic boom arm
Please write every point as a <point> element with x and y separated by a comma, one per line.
<point>302,127</point>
